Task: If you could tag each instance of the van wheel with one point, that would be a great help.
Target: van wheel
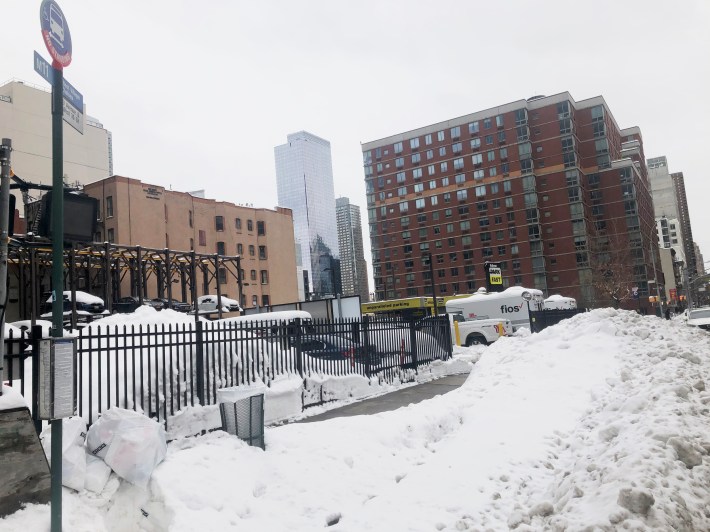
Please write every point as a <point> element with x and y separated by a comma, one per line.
<point>475,339</point>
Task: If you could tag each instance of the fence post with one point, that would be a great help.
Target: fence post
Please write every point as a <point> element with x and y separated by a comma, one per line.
<point>413,342</point>
<point>447,336</point>
<point>36,336</point>
<point>366,345</point>
<point>297,341</point>
<point>200,364</point>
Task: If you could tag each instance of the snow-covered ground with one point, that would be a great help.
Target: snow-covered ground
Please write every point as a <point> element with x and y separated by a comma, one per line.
<point>599,423</point>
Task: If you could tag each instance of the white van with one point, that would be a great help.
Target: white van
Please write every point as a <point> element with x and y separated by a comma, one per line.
<point>510,304</point>
<point>558,302</point>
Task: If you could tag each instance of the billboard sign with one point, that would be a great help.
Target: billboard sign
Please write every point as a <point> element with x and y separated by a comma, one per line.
<point>494,277</point>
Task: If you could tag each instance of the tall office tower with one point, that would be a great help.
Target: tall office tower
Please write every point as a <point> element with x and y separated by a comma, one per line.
<point>684,217</point>
<point>551,188</point>
<point>304,182</point>
<point>26,118</point>
<point>699,260</point>
<point>353,268</point>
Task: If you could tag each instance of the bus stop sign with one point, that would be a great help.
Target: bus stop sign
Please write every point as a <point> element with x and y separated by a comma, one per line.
<point>55,33</point>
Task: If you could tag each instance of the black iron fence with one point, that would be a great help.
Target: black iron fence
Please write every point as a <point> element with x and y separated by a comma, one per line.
<point>160,370</point>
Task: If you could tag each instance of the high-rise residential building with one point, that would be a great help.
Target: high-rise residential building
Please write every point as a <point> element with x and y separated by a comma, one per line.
<point>304,181</point>
<point>133,213</point>
<point>684,217</point>
<point>550,188</point>
<point>26,118</point>
<point>353,268</point>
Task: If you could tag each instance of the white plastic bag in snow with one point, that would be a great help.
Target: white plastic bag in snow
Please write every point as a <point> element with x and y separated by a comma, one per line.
<point>130,444</point>
<point>74,467</point>
<point>97,474</point>
<point>73,432</point>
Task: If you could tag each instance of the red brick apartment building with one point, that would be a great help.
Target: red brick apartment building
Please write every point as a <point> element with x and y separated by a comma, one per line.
<point>133,213</point>
<point>548,187</point>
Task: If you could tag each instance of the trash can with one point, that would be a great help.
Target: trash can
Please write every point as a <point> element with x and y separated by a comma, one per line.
<point>242,411</point>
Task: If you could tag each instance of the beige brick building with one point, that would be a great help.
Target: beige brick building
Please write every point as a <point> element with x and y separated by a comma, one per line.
<point>133,213</point>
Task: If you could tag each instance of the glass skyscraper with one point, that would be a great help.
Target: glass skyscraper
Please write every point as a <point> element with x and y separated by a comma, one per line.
<point>304,181</point>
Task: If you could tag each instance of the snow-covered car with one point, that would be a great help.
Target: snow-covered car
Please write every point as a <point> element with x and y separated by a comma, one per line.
<point>209,304</point>
<point>86,304</point>
<point>131,303</point>
<point>700,317</point>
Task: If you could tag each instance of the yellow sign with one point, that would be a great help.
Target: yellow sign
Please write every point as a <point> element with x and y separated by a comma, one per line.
<point>398,304</point>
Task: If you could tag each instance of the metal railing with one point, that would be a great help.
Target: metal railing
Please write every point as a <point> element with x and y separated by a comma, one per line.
<point>160,370</point>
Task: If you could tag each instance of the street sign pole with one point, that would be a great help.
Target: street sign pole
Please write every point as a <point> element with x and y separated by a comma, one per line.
<point>57,279</point>
<point>57,39</point>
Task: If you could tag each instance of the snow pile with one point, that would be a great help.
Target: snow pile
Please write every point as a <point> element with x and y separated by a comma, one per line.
<point>601,423</point>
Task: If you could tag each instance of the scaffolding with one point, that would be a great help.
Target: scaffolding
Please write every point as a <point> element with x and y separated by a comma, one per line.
<point>111,271</point>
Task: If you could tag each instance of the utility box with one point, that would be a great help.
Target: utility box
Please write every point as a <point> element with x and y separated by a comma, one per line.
<point>56,379</point>
<point>242,411</point>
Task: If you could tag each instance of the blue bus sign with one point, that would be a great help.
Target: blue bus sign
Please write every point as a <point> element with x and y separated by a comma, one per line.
<point>55,33</point>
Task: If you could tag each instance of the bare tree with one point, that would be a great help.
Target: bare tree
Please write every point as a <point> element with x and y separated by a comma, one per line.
<point>611,264</point>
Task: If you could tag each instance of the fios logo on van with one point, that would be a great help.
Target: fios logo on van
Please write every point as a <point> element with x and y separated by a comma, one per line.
<point>506,309</point>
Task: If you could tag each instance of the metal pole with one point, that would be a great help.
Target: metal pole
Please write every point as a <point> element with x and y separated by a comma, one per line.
<point>57,281</point>
<point>5,150</point>
<point>433,284</point>
<point>658,290</point>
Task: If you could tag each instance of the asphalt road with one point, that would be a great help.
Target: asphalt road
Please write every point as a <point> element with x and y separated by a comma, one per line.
<point>393,400</point>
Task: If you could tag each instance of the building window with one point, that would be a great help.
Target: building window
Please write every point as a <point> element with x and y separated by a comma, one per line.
<point>458,163</point>
<point>222,275</point>
<point>489,139</point>
<point>441,136</point>
<point>477,158</point>
<point>487,123</point>
<point>416,158</point>
<point>110,235</point>
<point>399,162</point>
<point>219,223</point>
<point>252,275</point>
<point>262,253</point>
<point>109,206</point>
<point>240,249</point>
<point>499,121</point>
<point>264,276</point>
<point>238,223</point>
<point>455,132</point>
<point>252,250</point>
<point>473,128</point>
<point>261,228</point>
<point>202,236</point>
<point>478,174</point>
<point>491,155</point>
<point>398,147</point>
<point>475,143</point>
<point>189,218</point>
<point>427,139</point>
<point>220,248</point>
<point>250,225</point>
<point>414,143</point>
<point>192,244</point>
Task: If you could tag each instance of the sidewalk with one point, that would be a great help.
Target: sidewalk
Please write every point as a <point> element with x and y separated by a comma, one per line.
<point>393,400</point>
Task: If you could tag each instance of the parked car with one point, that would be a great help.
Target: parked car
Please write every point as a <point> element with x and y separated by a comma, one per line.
<point>131,303</point>
<point>85,304</point>
<point>700,317</point>
<point>174,304</point>
<point>332,347</point>
<point>209,304</point>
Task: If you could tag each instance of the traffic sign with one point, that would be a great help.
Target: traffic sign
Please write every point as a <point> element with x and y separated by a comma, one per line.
<point>55,32</point>
<point>73,96</point>
<point>73,100</point>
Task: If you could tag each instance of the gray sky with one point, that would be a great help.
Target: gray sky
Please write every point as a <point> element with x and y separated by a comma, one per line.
<point>197,94</point>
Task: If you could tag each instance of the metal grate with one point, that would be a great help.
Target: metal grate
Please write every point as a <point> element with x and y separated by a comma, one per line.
<point>245,419</point>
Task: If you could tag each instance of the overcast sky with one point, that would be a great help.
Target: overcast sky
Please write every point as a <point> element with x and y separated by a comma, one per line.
<point>197,94</point>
